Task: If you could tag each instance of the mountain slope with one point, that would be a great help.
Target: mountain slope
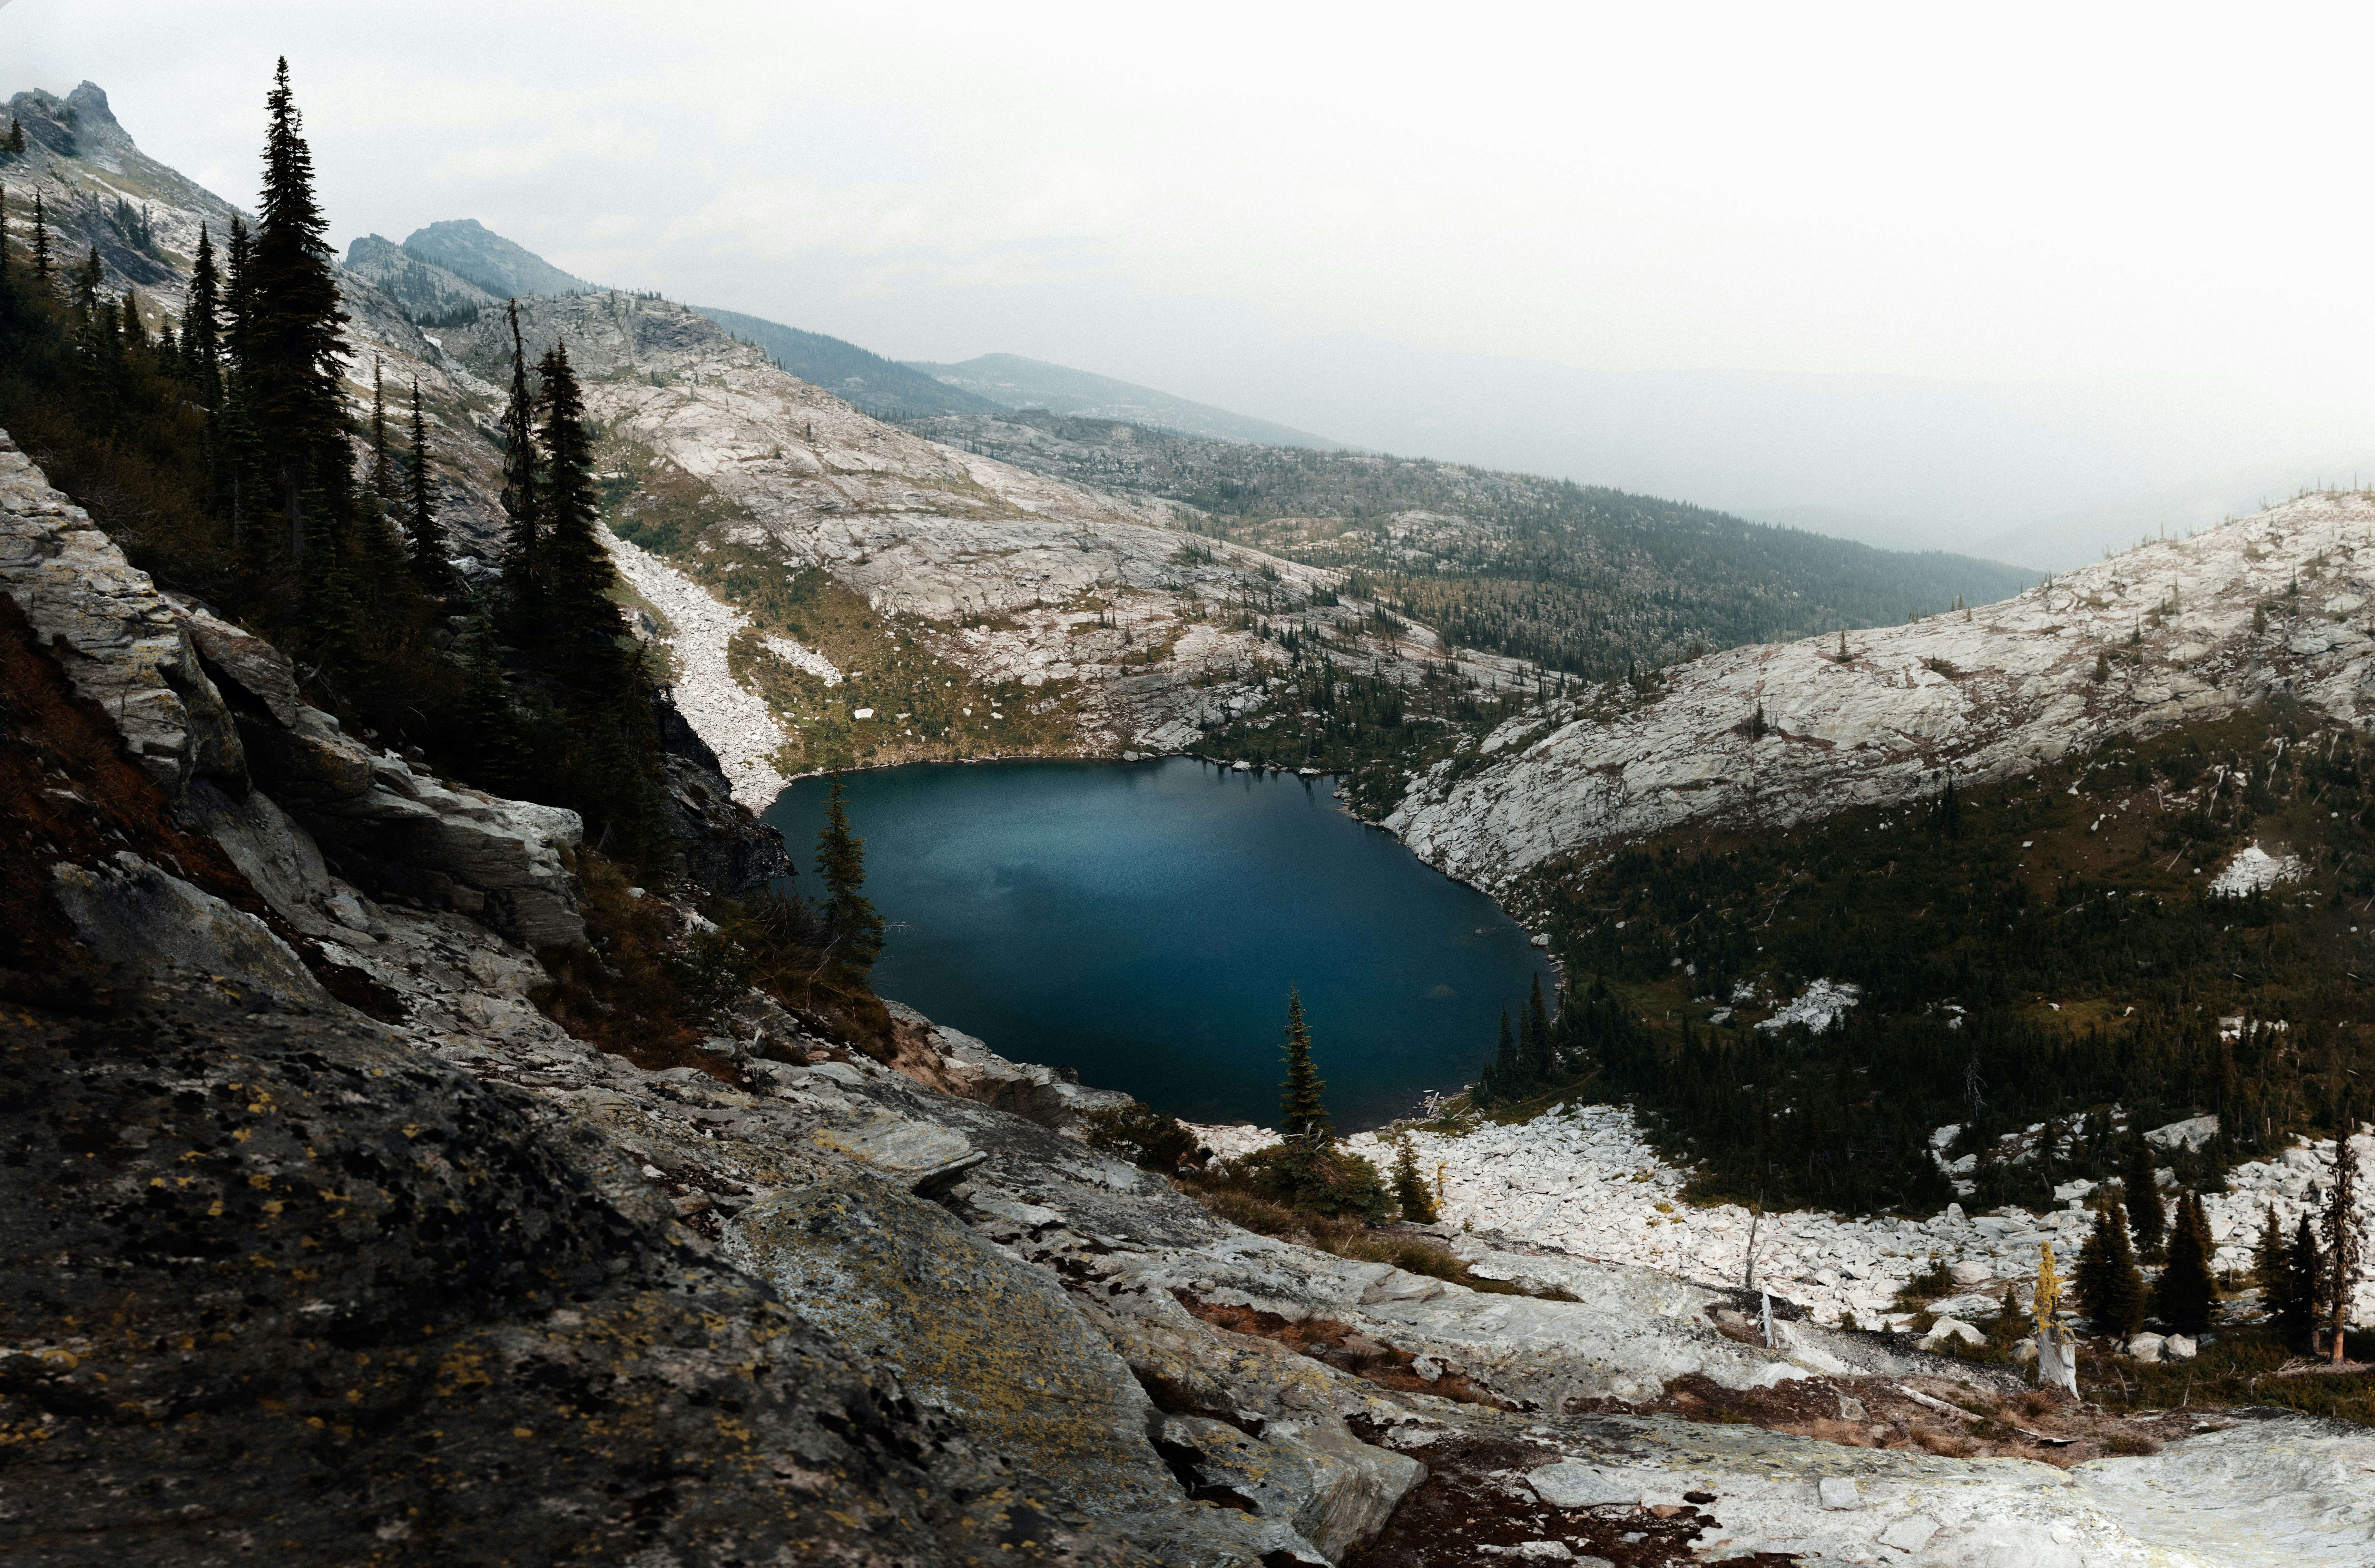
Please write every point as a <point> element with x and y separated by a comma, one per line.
<point>2165,634</point>
<point>867,379</point>
<point>430,294</point>
<point>1014,382</point>
<point>1581,579</point>
<point>468,249</point>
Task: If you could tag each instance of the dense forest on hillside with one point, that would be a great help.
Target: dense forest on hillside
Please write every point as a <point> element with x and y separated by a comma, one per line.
<point>2026,954</point>
<point>223,453</point>
<point>1590,580</point>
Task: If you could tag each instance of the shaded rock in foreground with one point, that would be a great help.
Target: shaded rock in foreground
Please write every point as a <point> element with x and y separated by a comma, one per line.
<point>974,1331</point>
<point>279,1286</point>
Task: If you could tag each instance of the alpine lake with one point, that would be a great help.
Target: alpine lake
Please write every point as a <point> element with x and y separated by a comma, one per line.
<point>1142,923</point>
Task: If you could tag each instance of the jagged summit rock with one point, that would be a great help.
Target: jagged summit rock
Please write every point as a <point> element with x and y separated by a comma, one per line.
<point>468,249</point>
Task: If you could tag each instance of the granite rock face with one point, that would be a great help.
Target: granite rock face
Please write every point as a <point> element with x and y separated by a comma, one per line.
<point>281,1285</point>
<point>114,635</point>
<point>1980,696</point>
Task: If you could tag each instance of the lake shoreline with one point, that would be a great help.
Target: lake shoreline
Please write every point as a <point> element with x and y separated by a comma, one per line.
<point>1368,938</point>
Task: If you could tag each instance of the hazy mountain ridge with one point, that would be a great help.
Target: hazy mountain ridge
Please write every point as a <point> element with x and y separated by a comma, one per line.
<point>1013,382</point>
<point>1583,578</point>
<point>858,376</point>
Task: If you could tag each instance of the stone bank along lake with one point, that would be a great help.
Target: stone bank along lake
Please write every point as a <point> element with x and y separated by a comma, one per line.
<point>1143,921</point>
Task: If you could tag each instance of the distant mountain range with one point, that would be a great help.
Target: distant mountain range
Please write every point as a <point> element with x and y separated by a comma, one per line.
<point>1013,382</point>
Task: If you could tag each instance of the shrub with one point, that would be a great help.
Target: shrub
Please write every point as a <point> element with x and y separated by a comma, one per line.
<point>1141,1135</point>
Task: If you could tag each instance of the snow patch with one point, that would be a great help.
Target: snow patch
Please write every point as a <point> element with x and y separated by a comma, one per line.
<point>2254,870</point>
<point>1822,1004</point>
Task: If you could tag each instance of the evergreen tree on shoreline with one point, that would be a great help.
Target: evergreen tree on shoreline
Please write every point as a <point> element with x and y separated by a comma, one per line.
<point>1302,1113</point>
<point>1539,1064</point>
<point>2307,1288</point>
<point>853,930</point>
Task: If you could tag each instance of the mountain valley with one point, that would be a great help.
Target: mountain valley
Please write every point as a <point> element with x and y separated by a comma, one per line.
<point>435,1137</point>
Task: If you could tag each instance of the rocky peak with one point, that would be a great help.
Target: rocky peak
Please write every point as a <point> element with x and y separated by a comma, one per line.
<point>468,249</point>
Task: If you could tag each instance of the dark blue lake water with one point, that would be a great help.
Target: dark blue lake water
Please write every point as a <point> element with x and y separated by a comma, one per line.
<point>1143,921</point>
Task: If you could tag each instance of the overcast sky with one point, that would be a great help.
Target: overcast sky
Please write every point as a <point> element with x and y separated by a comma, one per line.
<point>2136,195</point>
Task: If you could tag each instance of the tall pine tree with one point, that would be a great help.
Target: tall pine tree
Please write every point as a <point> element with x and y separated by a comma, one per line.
<point>2143,1195</point>
<point>852,931</point>
<point>289,355</point>
<point>582,623</point>
<point>523,504</point>
<point>202,324</point>
<point>426,535</point>
<point>2185,1293</point>
<point>2307,1265</point>
<point>1538,1036</point>
<point>2338,1238</point>
<point>43,268</point>
<point>1302,1113</point>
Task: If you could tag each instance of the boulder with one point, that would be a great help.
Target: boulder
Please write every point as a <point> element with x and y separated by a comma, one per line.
<point>1971,1272</point>
<point>1947,1330</point>
<point>1332,1488</point>
<point>975,1333</point>
<point>2146,1347</point>
<point>139,920</point>
<point>249,671</point>
<point>2177,1348</point>
<point>1571,1485</point>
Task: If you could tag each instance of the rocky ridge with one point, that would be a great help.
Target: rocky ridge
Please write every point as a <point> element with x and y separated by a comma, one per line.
<point>2180,631</point>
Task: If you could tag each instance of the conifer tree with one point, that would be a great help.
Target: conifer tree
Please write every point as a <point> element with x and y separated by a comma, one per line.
<point>43,268</point>
<point>16,136</point>
<point>2338,1268</point>
<point>577,573</point>
<point>2307,1267</point>
<point>2272,1271</point>
<point>1508,1065</point>
<point>853,930</point>
<point>427,535</point>
<point>239,292</point>
<point>490,723</point>
<point>524,534</point>
<point>202,324</point>
<point>2144,1199</point>
<point>289,356</point>
<point>383,463</point>
<point>1538,1036</point>
<point>1302,1114</point>
<point>2184,1294</point>
<point>2110,1287</point>
<point>1416,1203</point>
